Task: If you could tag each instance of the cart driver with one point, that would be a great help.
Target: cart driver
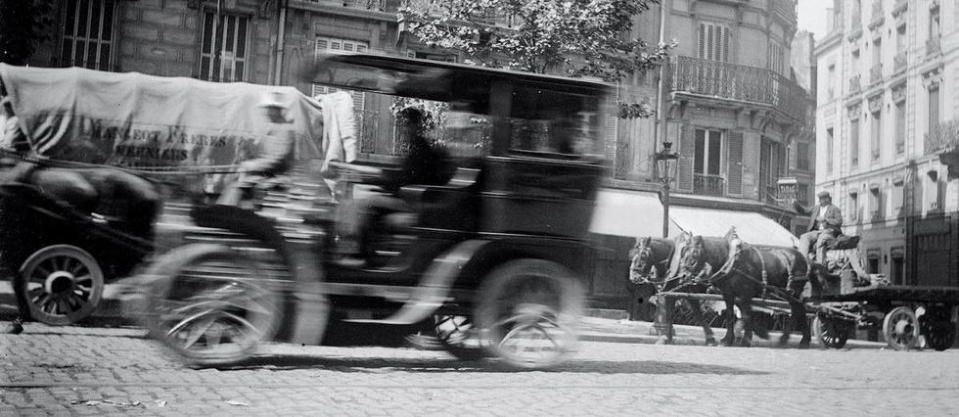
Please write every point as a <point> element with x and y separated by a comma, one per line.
<point>277,151</point>
<point>824,224</point>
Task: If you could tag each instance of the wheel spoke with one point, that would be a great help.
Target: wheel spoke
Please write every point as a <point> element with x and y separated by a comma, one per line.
<point>196,332</point>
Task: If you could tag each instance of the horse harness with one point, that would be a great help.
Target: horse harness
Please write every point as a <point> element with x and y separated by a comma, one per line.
<point>730,267</point>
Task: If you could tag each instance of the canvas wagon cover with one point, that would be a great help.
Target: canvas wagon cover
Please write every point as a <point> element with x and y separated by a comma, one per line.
<point>144,121</point>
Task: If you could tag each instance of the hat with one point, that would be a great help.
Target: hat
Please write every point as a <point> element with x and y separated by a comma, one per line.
<point>824,194</point>
<point>273,99</point>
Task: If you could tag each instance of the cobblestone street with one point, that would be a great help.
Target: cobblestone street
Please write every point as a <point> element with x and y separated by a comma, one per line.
<point>102,371</point>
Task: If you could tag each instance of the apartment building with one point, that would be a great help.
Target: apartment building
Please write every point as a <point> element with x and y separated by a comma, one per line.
<point>887,93</point>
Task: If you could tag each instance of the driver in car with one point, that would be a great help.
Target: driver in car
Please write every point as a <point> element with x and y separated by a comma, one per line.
<point>425,164</point>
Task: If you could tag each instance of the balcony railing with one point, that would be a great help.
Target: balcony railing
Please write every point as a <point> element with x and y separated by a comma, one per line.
<point>943,136</point>
<point>390,6</point>
<point>854,84</point>
<point>899,62</point>
<point>875,74</point>
<point>933,46</point>
<point>737,82</point>
<point>713,185</point>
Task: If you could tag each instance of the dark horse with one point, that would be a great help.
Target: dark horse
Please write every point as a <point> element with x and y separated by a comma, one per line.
<point>650,261</point>
<point>742,272</point>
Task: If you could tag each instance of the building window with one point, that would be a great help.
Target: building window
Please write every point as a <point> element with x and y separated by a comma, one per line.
<point>776,58</point>
<point>856,14</point>
<point>88,34</point>
<point>830,139</point>
<point>361,118</point>
<point>223,54</point>
<point>876,135</point>
<point>802,156</point>
<point>802,194</point>
<point>853,213</point>
<point>831,83</point>
<point>901,38</point>
<point>707,177</point>
<point>934,28</point>
<point>854,142</point>
<point>900,127</point>
<point>933,108</point>
<point>875,203</point>
<point>771,166</point>
<point>714,42</point>
<point>873,261</point>
<point>896,198</point>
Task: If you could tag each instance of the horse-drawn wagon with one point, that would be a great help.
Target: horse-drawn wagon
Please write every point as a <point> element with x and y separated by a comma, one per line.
<point>89,159</point>
<point>841,297</point>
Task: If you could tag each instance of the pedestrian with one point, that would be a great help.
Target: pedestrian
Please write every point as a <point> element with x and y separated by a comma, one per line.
<point>824,224</point>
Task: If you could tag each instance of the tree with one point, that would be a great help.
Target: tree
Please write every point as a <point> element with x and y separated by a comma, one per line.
<point>23,25</point>
<point>572,37</point>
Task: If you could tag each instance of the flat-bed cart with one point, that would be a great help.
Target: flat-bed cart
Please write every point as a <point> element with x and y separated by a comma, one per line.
<point>903,313</point>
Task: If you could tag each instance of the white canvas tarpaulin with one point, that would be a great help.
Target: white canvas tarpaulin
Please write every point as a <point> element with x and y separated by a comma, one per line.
<point>144,121</point>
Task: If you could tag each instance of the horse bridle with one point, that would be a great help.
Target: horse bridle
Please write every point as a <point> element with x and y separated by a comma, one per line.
<point>647,253</point>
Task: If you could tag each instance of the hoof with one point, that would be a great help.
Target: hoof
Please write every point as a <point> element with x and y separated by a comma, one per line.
<point>14,328</point>
<point>783,341</point>
<point>745,343</point>
<point>663,340</point>
<point>804,344</point>
<point>711,342</point>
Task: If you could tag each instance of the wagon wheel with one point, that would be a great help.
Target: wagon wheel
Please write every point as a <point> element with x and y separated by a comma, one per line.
<point>900,328</point>
<point>459,337</point>
<point>529,312</point>
<point>60,284</point>
<point>832,332</point>
<point>208,307</point>
<point>938,329</point>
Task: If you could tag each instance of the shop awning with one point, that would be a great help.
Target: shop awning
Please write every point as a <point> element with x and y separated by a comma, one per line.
<point>752,227</point>
<point>629,213</point>
<point>635,214</point>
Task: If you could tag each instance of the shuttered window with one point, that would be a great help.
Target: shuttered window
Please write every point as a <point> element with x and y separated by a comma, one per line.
<point>88,34</point>
<point>876,142</point>
<point>687,148</point>
<point>734,175</point>
<point>854,142</point>
<point>714,42</point>
<point>223,53</point>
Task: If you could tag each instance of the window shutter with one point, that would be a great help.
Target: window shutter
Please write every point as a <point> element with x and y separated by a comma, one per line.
<point>687,149</point>
<point>734,172</point>
<point>725,44</point>
<point>702,40</point>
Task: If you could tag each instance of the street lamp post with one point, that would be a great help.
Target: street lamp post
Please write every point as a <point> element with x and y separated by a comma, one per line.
<point>663,159</point>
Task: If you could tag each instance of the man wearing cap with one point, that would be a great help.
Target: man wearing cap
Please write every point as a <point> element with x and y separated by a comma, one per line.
<point>278,151</point>
<point>824,224</point>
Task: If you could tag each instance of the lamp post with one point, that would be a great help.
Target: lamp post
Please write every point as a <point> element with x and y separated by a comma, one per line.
<point>663,159</point>
<point>662,325</point>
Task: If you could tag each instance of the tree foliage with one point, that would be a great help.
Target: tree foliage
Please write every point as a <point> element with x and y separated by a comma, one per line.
<point>23,25</point>
<point>571,37</point>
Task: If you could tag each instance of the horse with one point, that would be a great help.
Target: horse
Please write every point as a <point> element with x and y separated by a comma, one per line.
<point>752,271</point>
<point>707,260</point>
<point>650,261</point>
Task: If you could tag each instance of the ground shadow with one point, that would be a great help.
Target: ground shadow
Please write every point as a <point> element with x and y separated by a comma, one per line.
<point>367,364</point>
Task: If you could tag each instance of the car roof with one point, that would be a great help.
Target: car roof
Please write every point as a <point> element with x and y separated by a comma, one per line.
<point>435,80</point>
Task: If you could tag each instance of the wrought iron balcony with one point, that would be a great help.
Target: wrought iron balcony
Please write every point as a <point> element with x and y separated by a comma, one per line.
<point>875,74</point>
<point>899,62</point>
<point>933,46</point>
<point>713,185</point>
<point>737,82</point>
<point>855,85</point>
<point>390,6</point>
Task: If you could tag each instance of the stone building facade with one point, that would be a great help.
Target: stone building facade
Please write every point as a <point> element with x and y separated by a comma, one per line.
<point>887,95</point>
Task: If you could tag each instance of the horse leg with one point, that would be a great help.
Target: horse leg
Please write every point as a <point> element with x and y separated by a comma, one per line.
<point>730,338</point>
<point>798,313</point>
<point>745,309</point>
<point>697,308</point>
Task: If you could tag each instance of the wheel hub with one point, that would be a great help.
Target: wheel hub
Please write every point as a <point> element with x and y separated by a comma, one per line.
<point>903,327</point>
<point>59,282</point>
